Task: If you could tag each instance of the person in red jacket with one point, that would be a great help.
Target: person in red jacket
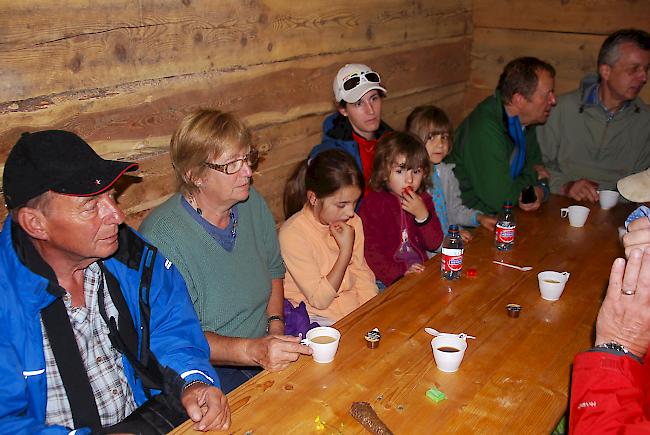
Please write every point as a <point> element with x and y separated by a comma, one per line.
<point>610,386</point>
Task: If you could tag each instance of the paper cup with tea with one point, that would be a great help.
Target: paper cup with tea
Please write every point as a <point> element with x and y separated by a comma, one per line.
<point>607,198</point>
<point>577,215</point>
<point>551,284</point>
<point>324,342</point>
<point>448,351</point>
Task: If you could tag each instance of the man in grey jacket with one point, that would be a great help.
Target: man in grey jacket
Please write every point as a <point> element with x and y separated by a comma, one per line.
<point>600,132</point>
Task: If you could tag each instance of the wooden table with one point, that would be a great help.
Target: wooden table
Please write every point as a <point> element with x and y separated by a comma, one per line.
<point>515,375</point>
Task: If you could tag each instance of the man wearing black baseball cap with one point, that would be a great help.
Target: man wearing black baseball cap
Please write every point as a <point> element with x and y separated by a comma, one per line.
<point>99,333</point>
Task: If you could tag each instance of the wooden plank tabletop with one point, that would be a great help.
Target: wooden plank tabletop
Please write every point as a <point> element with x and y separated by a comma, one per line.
<point>514,377</point>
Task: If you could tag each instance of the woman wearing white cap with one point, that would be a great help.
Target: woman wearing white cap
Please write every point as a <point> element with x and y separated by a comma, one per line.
<point>357,125</point>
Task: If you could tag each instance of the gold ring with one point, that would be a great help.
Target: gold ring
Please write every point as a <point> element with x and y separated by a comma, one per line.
<point>628,292</point>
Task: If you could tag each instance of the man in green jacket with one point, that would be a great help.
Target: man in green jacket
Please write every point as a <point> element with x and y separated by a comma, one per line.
<point>600,132</point>
<point>495,148</point>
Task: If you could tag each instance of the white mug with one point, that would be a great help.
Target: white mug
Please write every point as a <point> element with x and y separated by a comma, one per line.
<point>323,352</point>
<point>607,198</point>
<point>449,360</point>
<point>577,215</point>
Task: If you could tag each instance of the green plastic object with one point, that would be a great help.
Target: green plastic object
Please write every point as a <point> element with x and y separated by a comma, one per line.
<point>436,395</point>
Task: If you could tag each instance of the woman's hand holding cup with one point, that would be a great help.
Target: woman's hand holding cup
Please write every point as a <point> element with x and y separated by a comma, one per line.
<point>276,352</point>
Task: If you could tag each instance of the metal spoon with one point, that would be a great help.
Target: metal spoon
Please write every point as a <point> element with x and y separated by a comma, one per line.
<point>524,268</point>
<point>436,333</point>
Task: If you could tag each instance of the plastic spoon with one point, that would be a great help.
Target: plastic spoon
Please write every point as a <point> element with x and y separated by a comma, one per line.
<point>524,268</point>
<point>436,333</point>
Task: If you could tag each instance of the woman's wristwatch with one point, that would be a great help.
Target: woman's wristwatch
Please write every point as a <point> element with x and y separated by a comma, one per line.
<point>272,319</point>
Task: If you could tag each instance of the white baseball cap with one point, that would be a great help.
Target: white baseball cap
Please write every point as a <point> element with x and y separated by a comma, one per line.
<point>636,187</point>
<point>353,81</point>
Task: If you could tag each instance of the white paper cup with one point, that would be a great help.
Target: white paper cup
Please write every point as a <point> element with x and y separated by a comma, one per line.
<point>448,361</point>
<point>551,284</point>
<point>607,198</point>
<point>577,215</point>
<point>323,352</point>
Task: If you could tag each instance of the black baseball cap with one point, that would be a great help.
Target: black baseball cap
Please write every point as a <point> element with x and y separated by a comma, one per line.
<point>59,161</point>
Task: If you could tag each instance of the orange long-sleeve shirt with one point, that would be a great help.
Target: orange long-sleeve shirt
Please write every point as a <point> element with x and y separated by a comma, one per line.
<point>309,252</point>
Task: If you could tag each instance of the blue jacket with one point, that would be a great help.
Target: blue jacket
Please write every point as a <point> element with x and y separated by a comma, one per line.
<point>175,333</point>
<point>337,134</point>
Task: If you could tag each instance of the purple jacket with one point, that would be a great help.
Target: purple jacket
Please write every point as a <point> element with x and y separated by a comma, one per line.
<point>380,213</point>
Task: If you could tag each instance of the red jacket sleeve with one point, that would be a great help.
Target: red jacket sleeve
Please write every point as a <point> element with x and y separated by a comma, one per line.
<point>431,234</point>
<point>381,227</point>
<point>608,395</point>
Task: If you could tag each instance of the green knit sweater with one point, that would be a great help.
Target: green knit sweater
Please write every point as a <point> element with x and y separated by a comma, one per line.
<point>230,290</point>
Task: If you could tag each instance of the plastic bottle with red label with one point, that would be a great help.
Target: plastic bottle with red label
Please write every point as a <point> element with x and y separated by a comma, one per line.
<point>451,263</point>
<point>504,236</point>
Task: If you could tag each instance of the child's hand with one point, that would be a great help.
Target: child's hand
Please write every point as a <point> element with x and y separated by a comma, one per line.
<point>413,204</point>
<point>465,235</point>
<point>487,222</point>
<point>343,235</point>
<point>415,268</point>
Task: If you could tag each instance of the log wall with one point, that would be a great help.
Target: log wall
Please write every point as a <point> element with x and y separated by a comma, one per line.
<point>122,73</point>
<point>566,33</point>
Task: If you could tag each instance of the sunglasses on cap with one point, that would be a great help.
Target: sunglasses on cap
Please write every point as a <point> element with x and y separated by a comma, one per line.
<point>355,79</point>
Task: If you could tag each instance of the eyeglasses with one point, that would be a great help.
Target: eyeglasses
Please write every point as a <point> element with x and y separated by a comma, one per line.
<point>235,166</point>
<point>355,79</point>
<point>445,137</point>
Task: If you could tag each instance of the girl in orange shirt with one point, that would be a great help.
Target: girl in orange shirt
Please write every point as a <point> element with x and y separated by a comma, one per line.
<point>322,239</point>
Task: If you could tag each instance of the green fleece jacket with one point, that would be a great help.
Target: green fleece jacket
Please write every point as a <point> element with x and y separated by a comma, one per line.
<point>482,153</point>
<point>579,140</point>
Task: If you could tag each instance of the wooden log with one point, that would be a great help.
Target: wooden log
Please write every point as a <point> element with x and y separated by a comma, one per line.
<point>571,55</point>
<point>132,120</point>
<point>54,47</point>
<point>573,16</point>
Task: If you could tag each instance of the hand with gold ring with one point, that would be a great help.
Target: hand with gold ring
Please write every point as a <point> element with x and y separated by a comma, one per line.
<point>624,316</point>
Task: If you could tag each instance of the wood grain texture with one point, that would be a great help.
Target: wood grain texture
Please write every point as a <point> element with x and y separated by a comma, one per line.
<point>571,16</point>
<point>53,47</point>
<point>515,375</point>
<point>138,119</point>
<point>572,55</point>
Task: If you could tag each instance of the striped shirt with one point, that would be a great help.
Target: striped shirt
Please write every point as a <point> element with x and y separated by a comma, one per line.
<point>103,362</point>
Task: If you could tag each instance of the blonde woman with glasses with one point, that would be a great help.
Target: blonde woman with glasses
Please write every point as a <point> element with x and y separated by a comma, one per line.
<point>220,233</point>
